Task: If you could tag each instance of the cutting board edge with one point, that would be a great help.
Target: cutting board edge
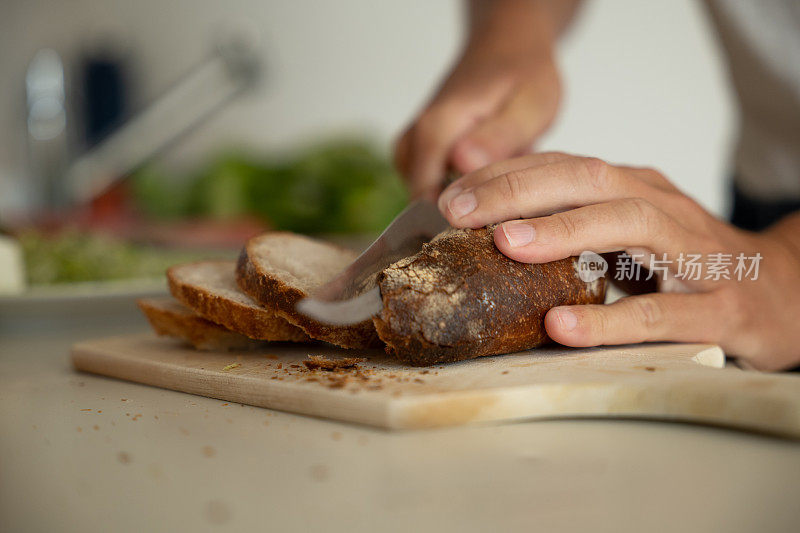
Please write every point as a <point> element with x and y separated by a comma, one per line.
<point>344,408</point>
<point>678,396</point>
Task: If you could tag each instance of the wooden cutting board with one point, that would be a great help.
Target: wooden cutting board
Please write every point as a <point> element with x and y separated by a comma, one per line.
<point>686,382</point>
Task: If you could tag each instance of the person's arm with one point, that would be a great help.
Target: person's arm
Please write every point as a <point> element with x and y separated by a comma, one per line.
<point>555,14</point>
<point>500,96</point>
<point>744,297</point>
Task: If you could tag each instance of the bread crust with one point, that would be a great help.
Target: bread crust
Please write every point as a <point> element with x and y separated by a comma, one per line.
<point>460,298</point>
<point>250,321</point>
<point>282,298</point>
<point>171,318</point>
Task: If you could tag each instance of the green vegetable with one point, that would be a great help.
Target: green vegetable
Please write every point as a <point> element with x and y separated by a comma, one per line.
<point>342,186</point>
<point>75,256</point>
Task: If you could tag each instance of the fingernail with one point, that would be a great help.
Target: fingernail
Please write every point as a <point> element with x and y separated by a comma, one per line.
<point>448,194</point>
<point>567,319</point>
<point>518,233</point>
<point>463,204</point>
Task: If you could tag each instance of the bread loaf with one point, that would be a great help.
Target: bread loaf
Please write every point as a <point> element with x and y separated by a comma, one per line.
<point>460,298</point>
<point>171,318</point>
<point>209,288</point>
<point>279,269</point>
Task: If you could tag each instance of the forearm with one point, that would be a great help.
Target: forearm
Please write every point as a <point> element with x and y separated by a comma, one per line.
<point>545,19</point>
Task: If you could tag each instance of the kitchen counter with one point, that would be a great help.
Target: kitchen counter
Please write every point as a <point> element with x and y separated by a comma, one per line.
<point>86,453</point>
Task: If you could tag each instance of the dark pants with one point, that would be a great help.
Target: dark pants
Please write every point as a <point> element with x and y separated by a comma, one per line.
<point>756,215</point>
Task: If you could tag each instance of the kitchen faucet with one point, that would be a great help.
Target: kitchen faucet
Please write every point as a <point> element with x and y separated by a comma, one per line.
<point>234,67</point>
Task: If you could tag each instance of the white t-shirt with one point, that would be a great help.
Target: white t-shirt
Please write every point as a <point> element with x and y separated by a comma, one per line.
<point>762,41</point>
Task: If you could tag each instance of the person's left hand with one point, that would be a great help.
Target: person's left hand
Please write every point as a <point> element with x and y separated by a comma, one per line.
<point>556,205</point>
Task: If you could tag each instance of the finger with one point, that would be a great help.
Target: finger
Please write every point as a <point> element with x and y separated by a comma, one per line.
<point>652,317</point>
<point>602,228</point>
<point>429,141</point>
<point>651,176</point>
<point>512,129</point>
<point>525,160</point>
<point>402,153</point>
<point>494,170</point>
<point>543,190</point>
<point>455,109</point>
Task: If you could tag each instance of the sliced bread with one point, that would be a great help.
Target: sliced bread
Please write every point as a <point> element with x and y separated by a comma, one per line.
<point>209,288</point>
<point>460,298</point>
<point>171,318</point>
<point>279,269</point>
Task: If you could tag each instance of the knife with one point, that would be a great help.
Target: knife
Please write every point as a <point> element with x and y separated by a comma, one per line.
<point>341,301</point>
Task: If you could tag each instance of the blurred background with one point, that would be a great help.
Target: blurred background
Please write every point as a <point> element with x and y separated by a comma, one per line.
<point>254,114</point>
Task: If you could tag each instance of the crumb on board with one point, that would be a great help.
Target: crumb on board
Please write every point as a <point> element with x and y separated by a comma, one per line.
<point>231,366</point>
<point>319,362</point>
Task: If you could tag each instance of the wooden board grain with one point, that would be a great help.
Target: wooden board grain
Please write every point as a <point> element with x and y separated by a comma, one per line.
<point>685,382</point>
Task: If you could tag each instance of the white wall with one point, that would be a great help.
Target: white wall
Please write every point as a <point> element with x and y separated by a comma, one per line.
<point>644,83</point>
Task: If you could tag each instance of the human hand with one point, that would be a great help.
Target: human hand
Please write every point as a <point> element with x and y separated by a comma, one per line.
<point>555,205</point>
<point>501,95</point>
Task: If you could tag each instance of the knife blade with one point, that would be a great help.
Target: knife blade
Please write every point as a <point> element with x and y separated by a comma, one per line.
<point>349,297</point>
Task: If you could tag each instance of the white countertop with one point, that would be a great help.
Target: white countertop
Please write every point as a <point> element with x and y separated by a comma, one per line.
<point>87,453</point>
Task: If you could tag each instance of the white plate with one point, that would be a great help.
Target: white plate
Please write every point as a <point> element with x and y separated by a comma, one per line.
<point>76,304</point>
<point>72,292</point>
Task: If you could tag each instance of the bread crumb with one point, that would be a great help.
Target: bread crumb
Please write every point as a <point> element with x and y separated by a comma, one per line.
<point>231,366</point>
<point>319,472</point>
<point>338,382</point>
<point>319,362</point>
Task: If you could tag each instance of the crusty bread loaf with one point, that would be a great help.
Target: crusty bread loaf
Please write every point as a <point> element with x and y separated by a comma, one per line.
<point>209,288</point>
<point>171,318</point>
<point>460,298</point>
<point>279,269</point>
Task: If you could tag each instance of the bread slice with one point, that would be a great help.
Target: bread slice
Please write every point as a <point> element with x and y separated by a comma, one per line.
<point>209,288</point>
<point>460,298</point>
<point>171,318</point>
<point>279,269</point>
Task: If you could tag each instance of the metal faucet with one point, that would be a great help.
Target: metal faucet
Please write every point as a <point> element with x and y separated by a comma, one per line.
<point>234,67</point>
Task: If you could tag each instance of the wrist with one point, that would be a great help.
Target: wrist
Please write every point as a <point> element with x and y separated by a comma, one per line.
<point>511,27</point>
<point>785,235</point>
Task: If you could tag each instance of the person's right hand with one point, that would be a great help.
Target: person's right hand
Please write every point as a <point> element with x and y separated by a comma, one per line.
<point>501,95</point>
